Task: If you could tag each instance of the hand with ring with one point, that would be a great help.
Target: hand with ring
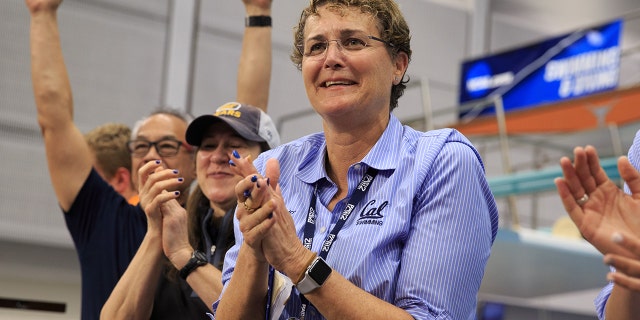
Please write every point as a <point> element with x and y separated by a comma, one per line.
<point>252,192</point>
<point>246,206</point>
<point>597,206</point>
<point>583,199</point>
<point>266,224</point>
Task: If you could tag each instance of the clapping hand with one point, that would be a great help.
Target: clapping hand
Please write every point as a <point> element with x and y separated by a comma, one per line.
<point>607,210</point>
<point>627,269</point>
<point>265,222</point>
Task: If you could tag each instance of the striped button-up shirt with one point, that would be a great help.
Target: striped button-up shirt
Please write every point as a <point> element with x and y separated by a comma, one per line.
<point>419,239</point>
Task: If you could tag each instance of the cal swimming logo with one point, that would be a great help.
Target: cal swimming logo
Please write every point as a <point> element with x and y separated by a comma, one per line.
<point>371,214</point>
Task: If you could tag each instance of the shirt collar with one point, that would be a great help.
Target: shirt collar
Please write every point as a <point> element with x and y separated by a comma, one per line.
<point>383,155</point>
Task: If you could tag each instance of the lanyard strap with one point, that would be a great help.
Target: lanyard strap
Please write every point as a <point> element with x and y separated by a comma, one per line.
<point>310,225</point>
<point>356,197</point>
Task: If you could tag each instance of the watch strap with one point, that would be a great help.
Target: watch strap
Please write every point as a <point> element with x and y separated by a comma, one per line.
<point>198,259</point>
<point>257,21</point>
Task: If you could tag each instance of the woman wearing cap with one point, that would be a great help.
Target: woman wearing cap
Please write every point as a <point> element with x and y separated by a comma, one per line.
<point>194,240</point>
<point>188,246</point>
<point>369,219</point>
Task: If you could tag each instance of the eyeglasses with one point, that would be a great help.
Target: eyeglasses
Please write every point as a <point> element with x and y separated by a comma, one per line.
<point>165,147</point>
<point>317,49</point>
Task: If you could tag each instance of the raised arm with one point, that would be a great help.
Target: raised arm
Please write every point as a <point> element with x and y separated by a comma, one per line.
<point>254,75</point>
<point>68,155</point>
<point>254,70</point>
<point>133,296</point>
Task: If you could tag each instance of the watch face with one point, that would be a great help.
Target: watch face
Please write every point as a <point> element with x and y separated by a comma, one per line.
<point>200,256</point>
<point>319,271</point>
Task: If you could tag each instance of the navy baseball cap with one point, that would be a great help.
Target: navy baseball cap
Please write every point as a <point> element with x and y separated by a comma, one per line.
<point>248,121</point>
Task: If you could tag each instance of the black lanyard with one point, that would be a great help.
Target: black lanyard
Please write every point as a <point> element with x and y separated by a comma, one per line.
<point>310,225</point>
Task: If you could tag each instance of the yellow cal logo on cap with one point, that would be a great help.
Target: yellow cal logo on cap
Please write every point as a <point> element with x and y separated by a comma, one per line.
<point>229,109</point>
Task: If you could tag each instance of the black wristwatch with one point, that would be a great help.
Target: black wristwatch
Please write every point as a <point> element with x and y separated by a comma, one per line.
<point>315,276</point>
<point>198,259</point>
<point>257,21</point>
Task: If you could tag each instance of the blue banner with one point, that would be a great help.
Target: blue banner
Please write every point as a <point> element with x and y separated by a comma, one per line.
<point>567,66</point>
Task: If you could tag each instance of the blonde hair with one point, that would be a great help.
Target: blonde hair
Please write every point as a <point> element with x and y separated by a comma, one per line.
<point>108,143</point>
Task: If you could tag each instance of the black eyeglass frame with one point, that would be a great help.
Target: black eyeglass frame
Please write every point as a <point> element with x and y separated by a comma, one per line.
<point>130,145</point>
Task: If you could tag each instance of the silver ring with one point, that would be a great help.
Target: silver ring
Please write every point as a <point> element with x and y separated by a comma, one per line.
<point>583,200</point>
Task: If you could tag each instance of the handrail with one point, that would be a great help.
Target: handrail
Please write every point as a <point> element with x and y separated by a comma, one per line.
<point>540,180</point>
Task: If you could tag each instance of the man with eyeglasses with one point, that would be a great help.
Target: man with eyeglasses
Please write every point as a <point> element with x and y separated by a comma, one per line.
<point>107,230</point>
<point>164,129</point>
<point>168,147</point>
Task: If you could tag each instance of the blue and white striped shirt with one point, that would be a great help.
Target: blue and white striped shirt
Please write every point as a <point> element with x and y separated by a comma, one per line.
<point>425,248</point>
<point>634,159</point>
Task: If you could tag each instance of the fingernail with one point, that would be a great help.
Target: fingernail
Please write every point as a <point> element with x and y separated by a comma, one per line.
<point>177,193</point>
<point>157,161</point>
<point>231,163</point>
<point>607,260</point>
<point>254,178</point>
<point>610,276</point>
<point>175,171</point>
<point>616,237</point>
<point>247,194</point>
<point>236,154</point>
<point>180,179</point>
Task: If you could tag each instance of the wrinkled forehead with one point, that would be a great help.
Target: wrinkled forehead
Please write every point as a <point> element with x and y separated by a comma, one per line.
<point>160,126</point>
<point>337,20</point>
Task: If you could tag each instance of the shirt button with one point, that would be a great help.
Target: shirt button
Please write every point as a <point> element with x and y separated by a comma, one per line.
<point>357,166</point>
<point>323,229</point>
